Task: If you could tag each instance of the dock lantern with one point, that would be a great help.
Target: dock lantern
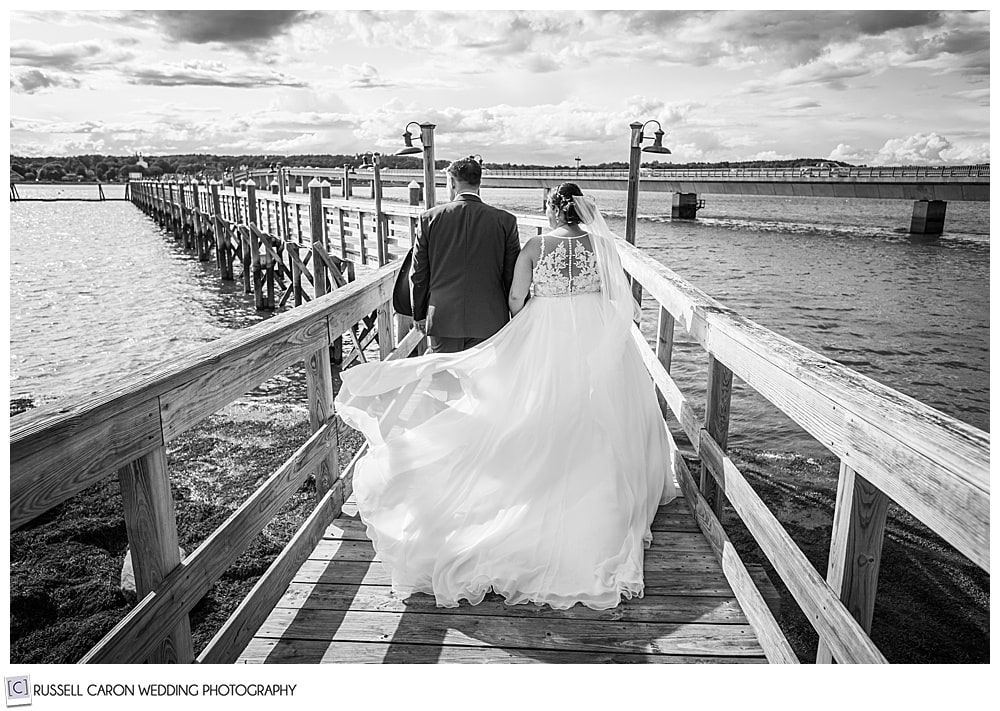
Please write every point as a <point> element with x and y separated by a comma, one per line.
<point>427,140</point>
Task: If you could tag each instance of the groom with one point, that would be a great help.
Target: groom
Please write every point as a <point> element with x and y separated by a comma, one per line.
<point>463,265</point>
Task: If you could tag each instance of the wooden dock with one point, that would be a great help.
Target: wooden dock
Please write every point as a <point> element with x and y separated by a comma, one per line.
<point>325,598</point>
<point>339,608</point>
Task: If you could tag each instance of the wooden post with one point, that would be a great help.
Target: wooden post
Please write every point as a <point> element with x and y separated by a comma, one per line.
<point>343,233</point>
<point>258,281</point>
<point>855,548</point>
<point>269,271</point>
<point>720,388</point>
<point>347,182</point>
<point>319,376</point>
<point>664,351</point>
<point>258,276</point>
<point>665,338</point>
<point>283,219</point>
<point>361,238</point>
<point>220,237</point>
<point>380,226</point>
<point>293,249</point>
<point>316,230</point>
<point>152,535</point>
<point>182,223</point>
<point>197,228</point>
<point>385,343</point>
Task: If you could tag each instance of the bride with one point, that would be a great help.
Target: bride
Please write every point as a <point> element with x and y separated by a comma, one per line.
<point>532,464</point>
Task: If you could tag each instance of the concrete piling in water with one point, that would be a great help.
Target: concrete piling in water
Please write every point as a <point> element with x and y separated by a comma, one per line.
<point>928,217</point>
<point>684,206</point>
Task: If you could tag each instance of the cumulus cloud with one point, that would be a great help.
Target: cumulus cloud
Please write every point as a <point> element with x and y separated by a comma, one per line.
<point>30,81</point>
<point>223,26</point>
<point>198,73</point>
<point>73,56</point>
<point>929,148</point>
<point>850,154</point>
<point>917,149</point>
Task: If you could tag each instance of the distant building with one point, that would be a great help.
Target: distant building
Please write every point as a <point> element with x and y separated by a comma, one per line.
<point>140,161</point>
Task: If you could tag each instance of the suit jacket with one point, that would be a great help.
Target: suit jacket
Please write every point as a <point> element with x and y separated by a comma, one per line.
<point>463,266</point>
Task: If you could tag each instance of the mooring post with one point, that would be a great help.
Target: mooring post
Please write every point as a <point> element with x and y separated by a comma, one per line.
<point>859,517</point>
<point>720,388</point>
<point>319,376</point>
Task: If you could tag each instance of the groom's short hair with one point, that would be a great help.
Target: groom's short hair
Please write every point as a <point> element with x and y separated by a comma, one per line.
<point>468,170</point>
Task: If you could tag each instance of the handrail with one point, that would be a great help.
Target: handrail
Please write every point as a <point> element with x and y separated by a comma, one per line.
<point>934,466</point>
<point>60,449</point>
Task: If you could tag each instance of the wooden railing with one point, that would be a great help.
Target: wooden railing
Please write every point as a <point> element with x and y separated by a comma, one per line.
<point>58,451</point>
<point>890,445</point>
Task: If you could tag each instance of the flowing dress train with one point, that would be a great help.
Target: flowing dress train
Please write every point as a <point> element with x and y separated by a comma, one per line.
<point>531,464</point>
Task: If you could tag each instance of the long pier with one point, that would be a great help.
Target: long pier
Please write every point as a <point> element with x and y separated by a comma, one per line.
<point>929,187</point>
<point>325,597</point>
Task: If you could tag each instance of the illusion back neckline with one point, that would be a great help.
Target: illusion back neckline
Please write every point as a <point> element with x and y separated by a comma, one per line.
<point>580,236</point>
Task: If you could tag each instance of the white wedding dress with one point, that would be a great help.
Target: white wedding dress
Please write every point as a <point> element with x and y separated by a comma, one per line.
<point>531,464</point>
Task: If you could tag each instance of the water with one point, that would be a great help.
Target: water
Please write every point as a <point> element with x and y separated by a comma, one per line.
<point>98,290</point>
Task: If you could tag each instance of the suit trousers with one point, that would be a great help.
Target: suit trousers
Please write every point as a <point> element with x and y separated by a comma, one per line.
<point>445,344</point>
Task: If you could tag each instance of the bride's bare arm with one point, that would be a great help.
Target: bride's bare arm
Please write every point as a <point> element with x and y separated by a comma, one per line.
<point>522,275</point>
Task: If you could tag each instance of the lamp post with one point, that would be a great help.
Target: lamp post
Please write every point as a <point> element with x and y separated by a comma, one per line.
<point>632,208</point>
<point>632,204</point>
<point>577,159</point>
<point>427,140</point>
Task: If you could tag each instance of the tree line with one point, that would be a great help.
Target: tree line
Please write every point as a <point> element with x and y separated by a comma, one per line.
<point>107,168</point>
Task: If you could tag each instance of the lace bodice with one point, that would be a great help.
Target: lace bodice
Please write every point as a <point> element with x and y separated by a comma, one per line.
<point>565,266</point>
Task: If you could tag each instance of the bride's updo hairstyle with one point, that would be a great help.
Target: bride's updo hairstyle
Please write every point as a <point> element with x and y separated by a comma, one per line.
<point>561,200</point>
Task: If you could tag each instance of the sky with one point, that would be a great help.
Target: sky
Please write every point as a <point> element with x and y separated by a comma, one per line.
<point>866,87</point>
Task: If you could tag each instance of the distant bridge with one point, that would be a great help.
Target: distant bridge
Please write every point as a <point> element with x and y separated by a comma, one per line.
<point>930,187</point>
<point>969,182</point>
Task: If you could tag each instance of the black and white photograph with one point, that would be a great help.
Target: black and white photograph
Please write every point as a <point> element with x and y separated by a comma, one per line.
<point>495,337</point>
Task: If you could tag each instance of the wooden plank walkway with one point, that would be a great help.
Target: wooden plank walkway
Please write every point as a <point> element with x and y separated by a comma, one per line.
<point>340,608</point>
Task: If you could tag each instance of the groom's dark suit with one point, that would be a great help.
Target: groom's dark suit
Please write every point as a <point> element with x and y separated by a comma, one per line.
<point>463,266</point>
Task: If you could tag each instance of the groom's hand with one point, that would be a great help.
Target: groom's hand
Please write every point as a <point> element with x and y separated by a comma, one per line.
<point>421,326</point>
